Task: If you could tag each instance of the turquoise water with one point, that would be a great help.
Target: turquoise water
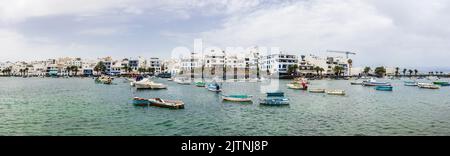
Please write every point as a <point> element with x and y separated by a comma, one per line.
<point>46,106</point>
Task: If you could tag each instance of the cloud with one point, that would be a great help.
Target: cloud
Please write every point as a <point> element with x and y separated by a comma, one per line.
<point>101,31</point>
<point>15,46</point>
<point>383,33</point>
<point>20,10</point>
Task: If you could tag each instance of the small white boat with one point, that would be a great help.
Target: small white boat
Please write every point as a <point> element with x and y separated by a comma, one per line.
<point>428,86</point>
<point>182,81</point>
<point>373,82</point>
<point>335,92</point>
<point>432,78</point>
<point>237,98</point>
<point>296,86</point>
<point>158,102</point>
<point>147,84</point>
<point>317,90</point>
<point>214,87</point>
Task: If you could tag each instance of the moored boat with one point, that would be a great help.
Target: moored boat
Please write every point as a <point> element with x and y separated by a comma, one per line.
<point>410,83</point>
<point>297,86</point>
<point>140,102</point>
<point>200,84</point>
<point>373,82</point>
<point>427,86</point>
<point>317,90</point>
<point>104,80</point>
<point>237,98</point>
<point>214,87</point>
<point>275,99</point>
<point>158,102</point>
<point>441,83</point>
<point>335,92</point>
<point>147,84</point>
<point>384,88</point>
<point>182,81</point>
<point>356,83</point>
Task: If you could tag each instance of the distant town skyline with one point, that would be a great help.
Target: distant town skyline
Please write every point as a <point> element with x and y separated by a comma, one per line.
<point>403,33</point>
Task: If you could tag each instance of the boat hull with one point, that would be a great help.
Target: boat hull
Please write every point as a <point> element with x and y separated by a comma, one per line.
<point>340,93</point>
<point>200,84</point>
<point>428,86</point>
<point>441,83</point>
<point>376,84</point>
<point>166,104</point>
<point>141,102</point>
<point>317,91</point>
<point>237,99</point>
<point>384,88</point>
<point>296,87</point>
<point>149,86</point>
<point>274,102</point>
<point>356,83</point>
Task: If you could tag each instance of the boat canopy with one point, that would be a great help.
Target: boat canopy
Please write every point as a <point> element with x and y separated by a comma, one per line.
<point>275,94</point>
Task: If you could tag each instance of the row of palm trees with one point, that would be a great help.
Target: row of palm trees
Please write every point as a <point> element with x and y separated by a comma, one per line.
<point>71,69</point>
<point>410,71</point>
<point>436,73</point>
<point>23,72</point>
<point>6,71</point>
<point>100,68</point>
<point>379,71</point>
<point>415,71</point>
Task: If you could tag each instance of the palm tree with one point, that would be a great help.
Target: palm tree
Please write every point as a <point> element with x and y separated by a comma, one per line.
<point>410,72</point>
<point>317,69</point>
<point>292,70</point>
<point>321,71</point>
<point>203,70</point>
<point>338,70</point>
<point>142,70</point>
<point>100,67</point>
<point>415,72</point>
<point>257,66</point>
<point>380,71</point>
<point>26,71</point>
<point>397,71</point>
<point>235,72</point>
<point>151,70</point>
<point>350,65</point>
<point>68,69</point>
<point>367,70</point>
<point>127,69</point>
<point>404,71</point>
<point>75,69</point>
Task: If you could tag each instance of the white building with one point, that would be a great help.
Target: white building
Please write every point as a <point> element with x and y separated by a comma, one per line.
<point>155,64</point>
<point>278,63</point>
<point>328,63</point>
<point>214,59</point>
<point>186,63</point>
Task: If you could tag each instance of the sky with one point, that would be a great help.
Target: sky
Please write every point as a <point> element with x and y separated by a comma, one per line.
<point>382,32</point>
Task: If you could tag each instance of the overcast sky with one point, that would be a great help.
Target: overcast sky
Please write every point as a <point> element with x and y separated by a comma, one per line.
<point>382,32</point>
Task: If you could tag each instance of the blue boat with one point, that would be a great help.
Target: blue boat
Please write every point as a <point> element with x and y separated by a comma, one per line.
<point>275,99</point>
<point>411,83</point>
<point>140,101</point>
<point>214,87</point>
<point>384,88</point>
<point>373,82</point>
